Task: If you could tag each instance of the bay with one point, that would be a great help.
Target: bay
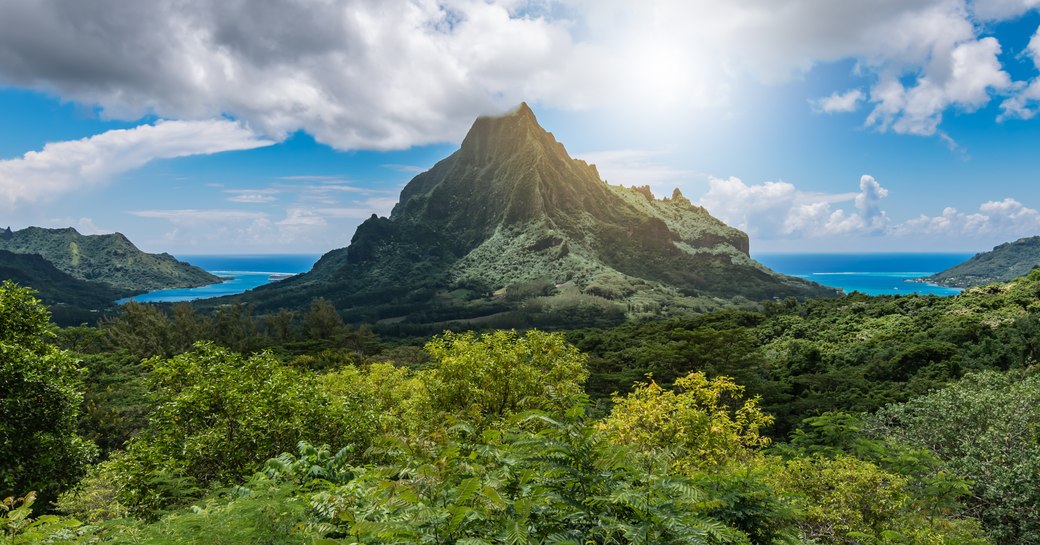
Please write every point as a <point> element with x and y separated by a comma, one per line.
<point>241,273</point>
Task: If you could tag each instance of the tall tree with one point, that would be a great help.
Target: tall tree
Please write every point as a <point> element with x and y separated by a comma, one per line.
<point>39,402</point>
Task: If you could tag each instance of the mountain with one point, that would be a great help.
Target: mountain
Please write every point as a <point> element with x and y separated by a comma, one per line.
<point>510,230</point>
<point>1001,264</point>
<point>108,259</point>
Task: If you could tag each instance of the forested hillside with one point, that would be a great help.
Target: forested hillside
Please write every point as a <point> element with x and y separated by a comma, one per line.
<point>854,420</point>
<point>71,300</point>
<point>1001,264</point>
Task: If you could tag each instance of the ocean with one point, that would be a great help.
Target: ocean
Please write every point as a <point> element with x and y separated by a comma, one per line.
<point>873,274</point>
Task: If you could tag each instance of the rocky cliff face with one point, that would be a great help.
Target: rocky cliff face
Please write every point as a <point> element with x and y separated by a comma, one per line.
<point>510,224</point>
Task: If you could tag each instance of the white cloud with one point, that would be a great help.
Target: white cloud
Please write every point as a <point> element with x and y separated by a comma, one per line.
<point>88,227</point>
<point>998,10</point>
<point>962,78</point>
<point>752,208</point>
<point>61,167</point>
<point>868,204</point>
<point>1033,48</point>
<point>839,103</point>
<point>397,73</point>
<point>780,210</point>
<point>355,74</point>
<point>1006,219</point>
<point>1022,103</point>
<point>252,196</point>
<point>775,211</point>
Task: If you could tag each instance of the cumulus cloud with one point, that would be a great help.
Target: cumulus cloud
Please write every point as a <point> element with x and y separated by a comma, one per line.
<point>1022,103</point>
<point>61,167</point>
<point>963,77</point>
<point>868,203</point>
<point>358,74</point>
<point>1007,218</point>
<point>839,103</point>
<point>781,210</point>
<point>396,73</point>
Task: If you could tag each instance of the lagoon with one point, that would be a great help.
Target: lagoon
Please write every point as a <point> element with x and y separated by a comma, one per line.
<point>869,273</point>
<point>242,273</point>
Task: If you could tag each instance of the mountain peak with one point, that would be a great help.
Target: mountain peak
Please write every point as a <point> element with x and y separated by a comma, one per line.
<point>524,111</point>
<point>511,218</point>
<point>491,137</point>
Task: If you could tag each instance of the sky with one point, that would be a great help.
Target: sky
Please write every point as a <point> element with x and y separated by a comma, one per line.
<point>235,127</point>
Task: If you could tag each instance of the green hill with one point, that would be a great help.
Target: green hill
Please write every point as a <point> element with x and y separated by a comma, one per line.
<point>509,231</point>
<point>1001,264</point>
<point>109,259</point>
<point>71,300</point>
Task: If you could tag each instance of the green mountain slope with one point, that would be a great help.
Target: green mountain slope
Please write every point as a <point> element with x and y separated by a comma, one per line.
<point>71,301</point>
<point>55,287</point>
<point>109,259</point>
<point>1001,264</point>
<point>510,230</point>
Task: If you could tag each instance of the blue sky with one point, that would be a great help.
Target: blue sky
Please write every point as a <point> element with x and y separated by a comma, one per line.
<point>231,127</point>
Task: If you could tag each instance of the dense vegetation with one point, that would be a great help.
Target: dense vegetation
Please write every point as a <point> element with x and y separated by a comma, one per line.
<point>39,402</point>
<point>858,353</point>
<point>860,420</point>
<point>1001,264</point>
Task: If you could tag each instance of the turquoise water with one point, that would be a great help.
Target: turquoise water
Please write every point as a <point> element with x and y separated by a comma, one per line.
<point>242,273</point>
<point>873,274</point>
